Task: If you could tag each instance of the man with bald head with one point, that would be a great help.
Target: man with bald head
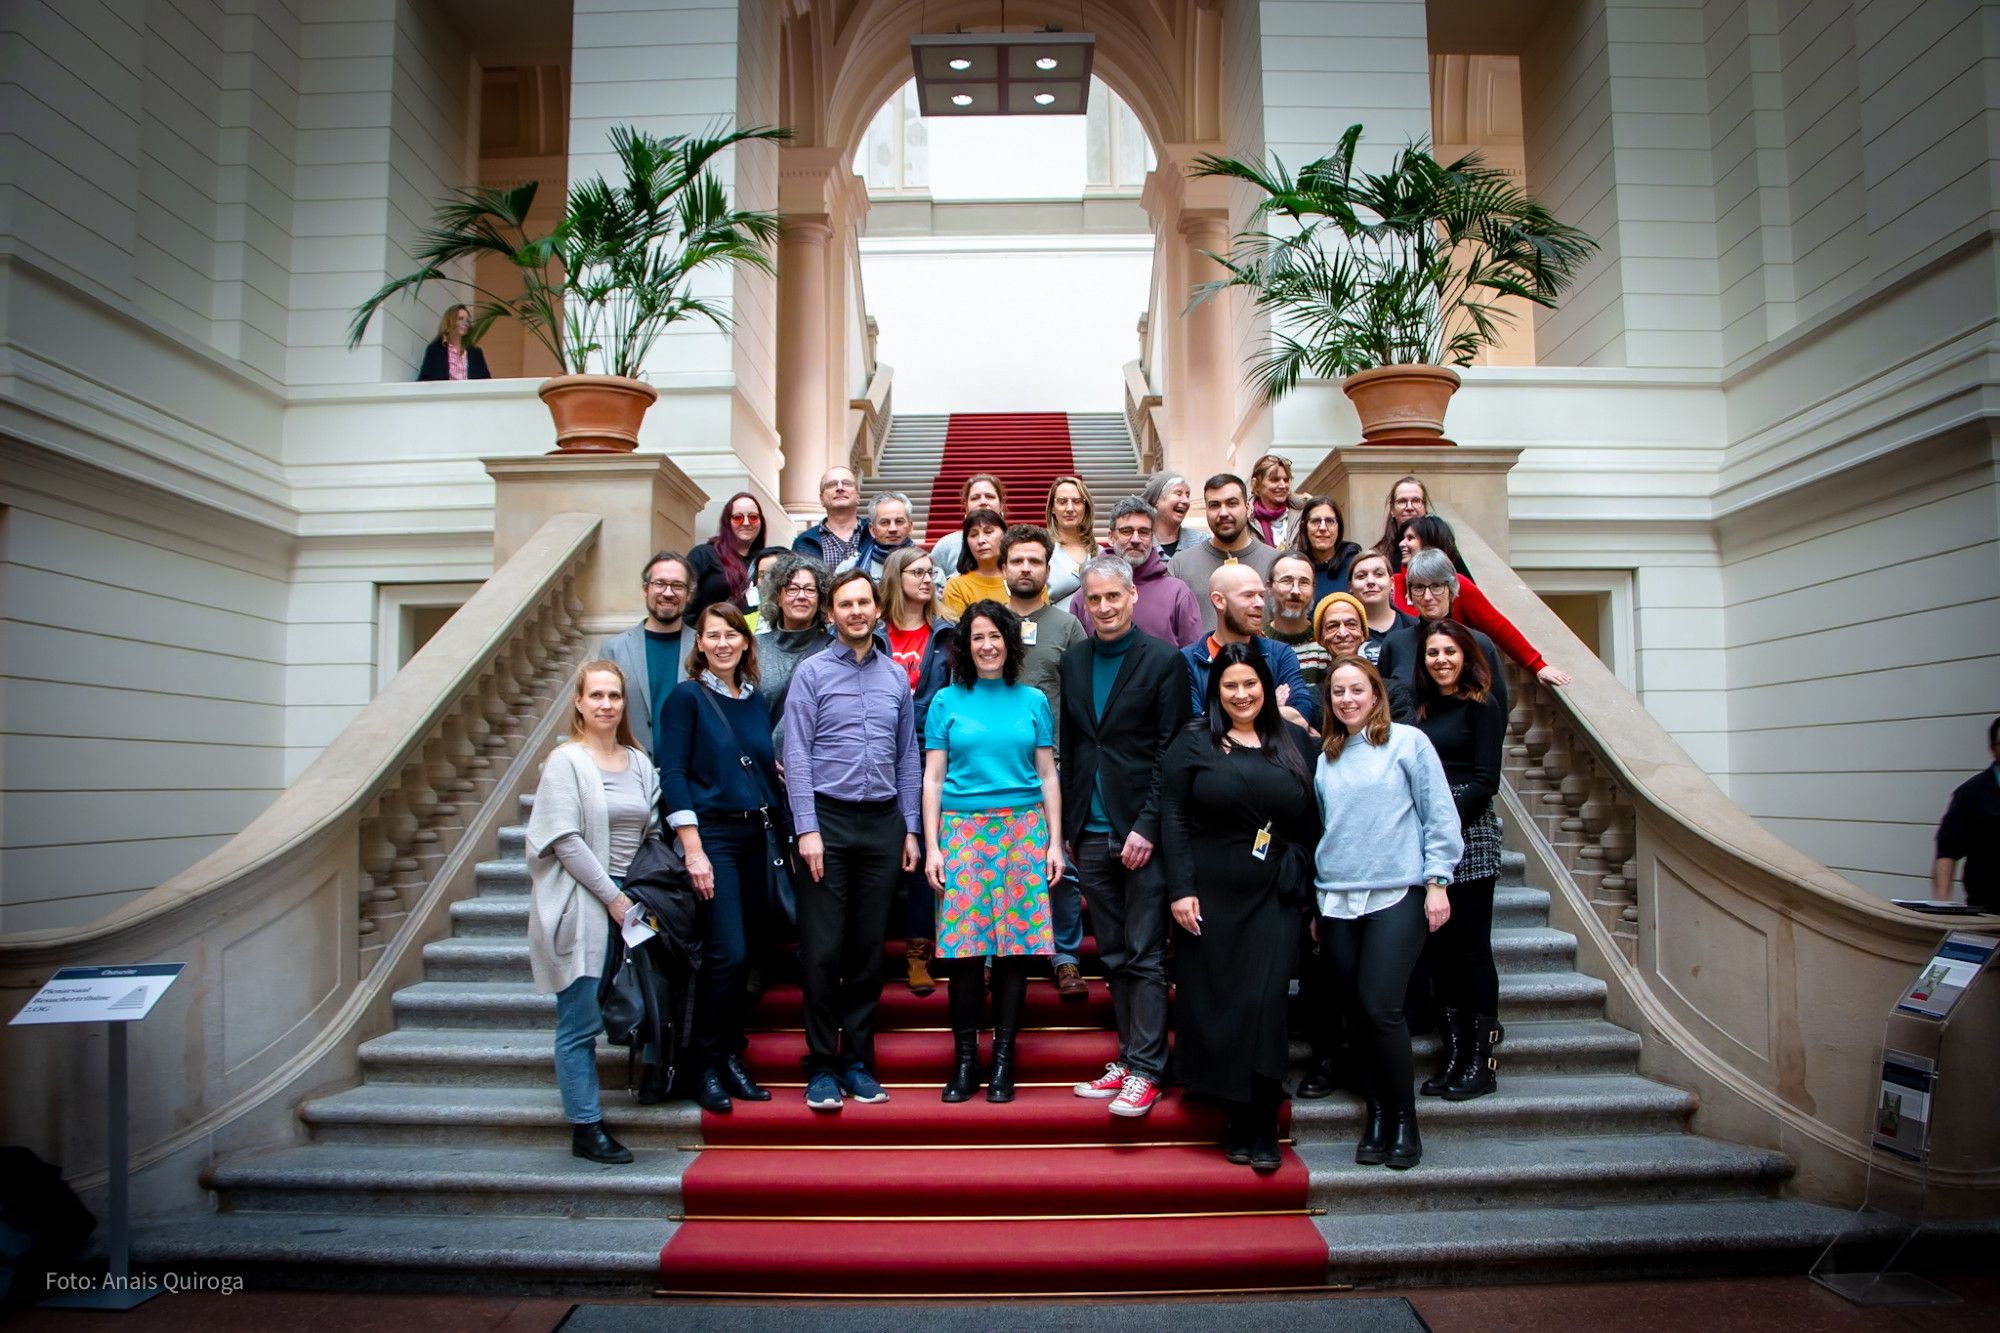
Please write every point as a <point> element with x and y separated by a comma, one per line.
<point>1237,601</point>
<point>837,540</point>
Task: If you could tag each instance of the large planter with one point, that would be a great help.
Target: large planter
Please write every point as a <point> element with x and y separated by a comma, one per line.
<point>597,414</point>
<point>1402,405</point>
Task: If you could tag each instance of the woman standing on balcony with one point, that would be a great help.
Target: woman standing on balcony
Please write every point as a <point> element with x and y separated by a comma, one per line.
<point>449,356</point>
<point>982,490</point>
<point>991,810</point>
<point>719,784</point>
<point>1460,713</point>
<point>1321,538</point>
<point>920,643</point>
<point>719,569</point>
<point>593,807</point>
<point>1382,874</point>
<point>978,577</point>
<point>1465,601</point>
<point>1274,510</point>
<point>1071,518</point>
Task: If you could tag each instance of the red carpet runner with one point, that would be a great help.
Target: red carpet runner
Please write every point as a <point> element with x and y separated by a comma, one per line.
<point>1048,1195</point>
<point>1027,450</point>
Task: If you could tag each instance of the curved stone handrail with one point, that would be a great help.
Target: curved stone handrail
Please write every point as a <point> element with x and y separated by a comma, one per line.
<point>282,928</point>
<point>868,419</point>
<point>1761,976</point>
<point>1142,418</point>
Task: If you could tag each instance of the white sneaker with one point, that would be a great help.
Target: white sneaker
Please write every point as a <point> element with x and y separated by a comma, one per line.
<point>1106,1084</point>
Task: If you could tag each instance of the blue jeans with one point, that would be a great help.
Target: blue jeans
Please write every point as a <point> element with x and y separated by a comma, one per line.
<point>1066,915</point>
<point>578,1021</point>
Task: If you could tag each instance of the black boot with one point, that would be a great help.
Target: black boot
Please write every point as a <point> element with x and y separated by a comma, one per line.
<point>709,1094</point>
<point>1236,1133</point>
<point>1454,1041</point>
<point>1264,1102</point>
<point>1010,989</point>
<point>1373,1149</point>
<point>966,992</point>
<point>1478,1075</point>
<point>736,1079</point>
<point>593,1144</point>
<point>1405,1148</point>
<point>1318,1081</point>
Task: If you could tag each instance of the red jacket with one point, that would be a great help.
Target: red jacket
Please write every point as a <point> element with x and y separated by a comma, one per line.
<point>1471,606</point>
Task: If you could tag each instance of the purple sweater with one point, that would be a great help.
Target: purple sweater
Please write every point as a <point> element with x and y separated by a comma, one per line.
<point>1166,609</point>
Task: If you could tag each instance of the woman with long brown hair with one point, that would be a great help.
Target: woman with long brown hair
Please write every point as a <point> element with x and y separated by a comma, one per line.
<point>1071,519</point>
<point>1382,873</point>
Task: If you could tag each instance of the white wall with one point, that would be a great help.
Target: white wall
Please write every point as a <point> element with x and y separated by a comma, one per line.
<point>1005,324</point>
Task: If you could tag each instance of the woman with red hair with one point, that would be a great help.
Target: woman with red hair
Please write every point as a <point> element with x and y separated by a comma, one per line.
<point>720,567</point>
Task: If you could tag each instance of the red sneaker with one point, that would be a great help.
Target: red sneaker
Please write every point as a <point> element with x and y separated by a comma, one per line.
<point>1106,1084</point>
<point>1136,1097</point>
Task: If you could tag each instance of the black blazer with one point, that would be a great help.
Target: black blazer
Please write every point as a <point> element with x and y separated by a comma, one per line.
<point>1147,708</point>
<point>1400,663</point>
<point>437,367</point>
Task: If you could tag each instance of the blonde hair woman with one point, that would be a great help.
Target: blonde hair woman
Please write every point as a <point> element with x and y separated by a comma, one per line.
<point>593,807</point>
<point>1071,518</point>
<point>451,356</point>
<point>1274,510</point>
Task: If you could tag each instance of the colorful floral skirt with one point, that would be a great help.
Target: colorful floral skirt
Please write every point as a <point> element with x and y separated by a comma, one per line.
<point>996,892</point>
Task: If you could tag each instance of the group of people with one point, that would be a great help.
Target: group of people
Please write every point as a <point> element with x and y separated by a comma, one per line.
<point>1249,750</point>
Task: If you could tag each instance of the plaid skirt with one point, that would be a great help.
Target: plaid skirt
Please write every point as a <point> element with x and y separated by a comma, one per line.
<point>996,891</point>
<point>1482,845</point>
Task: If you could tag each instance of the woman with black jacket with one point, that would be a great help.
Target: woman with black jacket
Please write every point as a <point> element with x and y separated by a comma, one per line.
<point>1461,713</point>
<point>1235,798</point>
<point>719,568</point>
<point>1322,539</point>
<point>449,356</point>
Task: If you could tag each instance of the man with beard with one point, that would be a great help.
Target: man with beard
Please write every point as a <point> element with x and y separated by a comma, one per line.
<point>1230,541</point>
<point>1292,583</point>
<point>1237,595</point>
<point>1167,609</point>
<point>652,654</point>
<point>1047,632</point>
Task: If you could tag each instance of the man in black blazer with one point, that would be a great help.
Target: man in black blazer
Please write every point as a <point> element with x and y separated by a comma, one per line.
<point>1124,698</point>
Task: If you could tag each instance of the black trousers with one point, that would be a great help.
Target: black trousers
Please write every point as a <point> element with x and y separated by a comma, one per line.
<point>736,850</point>
<point>1463,975</point>
<point>842,922</point>
<point>1372,957</point>
<point>1128,911</point>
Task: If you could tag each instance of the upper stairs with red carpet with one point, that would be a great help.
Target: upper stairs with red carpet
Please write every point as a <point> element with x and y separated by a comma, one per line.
<point>449,1163</point>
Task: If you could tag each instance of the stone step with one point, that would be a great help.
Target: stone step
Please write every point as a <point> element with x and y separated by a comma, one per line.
<point>1477,1246</point>
<point>515,1255</point>
<point>516,1179</point>
<point>397,1113</point>
<point>1533,1104</point>
<point>1544,1171</point>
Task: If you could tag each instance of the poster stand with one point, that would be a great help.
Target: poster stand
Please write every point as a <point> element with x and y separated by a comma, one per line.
<point>1866,1262</point>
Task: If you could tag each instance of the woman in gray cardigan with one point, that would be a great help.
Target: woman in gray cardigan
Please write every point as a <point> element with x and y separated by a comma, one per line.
<point>595,802</point>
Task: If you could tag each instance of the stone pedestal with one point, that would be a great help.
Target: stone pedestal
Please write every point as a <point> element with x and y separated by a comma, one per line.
<point>647,504</point>
<point>1468,480</point>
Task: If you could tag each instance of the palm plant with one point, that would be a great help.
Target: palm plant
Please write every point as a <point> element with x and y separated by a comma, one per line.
<point>1397,268</point>
<point>620,266</point>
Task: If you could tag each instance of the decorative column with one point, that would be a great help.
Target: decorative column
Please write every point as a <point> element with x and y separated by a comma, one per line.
<point>1208,367</point>
<point>802,359</point>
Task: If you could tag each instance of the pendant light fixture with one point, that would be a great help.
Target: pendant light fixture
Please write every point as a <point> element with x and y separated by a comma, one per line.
<point>1003,73</point>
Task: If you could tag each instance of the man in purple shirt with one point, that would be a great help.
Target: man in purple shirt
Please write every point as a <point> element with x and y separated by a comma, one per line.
<point>1166,608</point>
<point>852,777</point>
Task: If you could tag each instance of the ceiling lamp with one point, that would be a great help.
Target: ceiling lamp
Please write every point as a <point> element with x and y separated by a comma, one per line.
<point>1003,73</point>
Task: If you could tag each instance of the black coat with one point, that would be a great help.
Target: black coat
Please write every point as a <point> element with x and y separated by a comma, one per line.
<point>437,367</point>
<point>1229,1013</point>
<point>1147,707</point>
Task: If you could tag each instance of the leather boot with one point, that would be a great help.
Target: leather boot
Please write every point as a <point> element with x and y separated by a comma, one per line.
<point>966,988</point>
<point>1454,1039</point>
<point>736,1079</point>
<point>916,958</point>
<point>1236,1133</point>
<point>709,1093</point>
<point>1405,1148</point>
<point>593,1144</point>
<point>1373,1149</point>
<point>1318,1081</point>
<point>1478,1075</point>
<point>1010,989</point>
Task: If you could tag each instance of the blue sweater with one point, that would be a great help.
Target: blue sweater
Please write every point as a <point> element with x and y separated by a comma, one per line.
<point>700,772</point>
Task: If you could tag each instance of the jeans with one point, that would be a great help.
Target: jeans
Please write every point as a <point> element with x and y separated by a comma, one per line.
<point>1066,915</point>
<point>842,920</point>
<point>578,1021</point>
<point>736,850</point>
<point>1129,910</point>
<point>1372,956</point>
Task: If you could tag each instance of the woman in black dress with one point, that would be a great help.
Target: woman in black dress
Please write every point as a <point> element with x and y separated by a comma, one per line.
<point>1459,710</point>
<point>1238,821</point>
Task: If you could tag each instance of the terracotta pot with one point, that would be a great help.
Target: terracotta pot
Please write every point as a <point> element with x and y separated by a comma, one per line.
<point>597,414</point>
<point>1402,404</point>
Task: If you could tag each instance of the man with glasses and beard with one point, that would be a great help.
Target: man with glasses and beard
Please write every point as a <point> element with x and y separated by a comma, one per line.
<point>651,653</point>
<point>1166,608</point>
<point>1236,594</point>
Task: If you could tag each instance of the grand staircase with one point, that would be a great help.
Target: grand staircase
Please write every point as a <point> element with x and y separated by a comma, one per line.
<point>449,1164</point>
<point>915,461</point>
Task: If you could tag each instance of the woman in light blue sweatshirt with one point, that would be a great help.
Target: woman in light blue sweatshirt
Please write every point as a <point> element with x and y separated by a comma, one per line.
<point>1384,861</point>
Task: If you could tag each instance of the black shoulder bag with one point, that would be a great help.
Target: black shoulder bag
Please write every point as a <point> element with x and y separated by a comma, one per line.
<point>780,847</point>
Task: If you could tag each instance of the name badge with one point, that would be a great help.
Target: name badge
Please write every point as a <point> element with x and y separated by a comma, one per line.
<point>1261,846</point>
<point>1028,628</point>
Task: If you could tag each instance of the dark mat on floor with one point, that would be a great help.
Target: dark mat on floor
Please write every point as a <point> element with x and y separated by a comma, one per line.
<point>1355,1314</point>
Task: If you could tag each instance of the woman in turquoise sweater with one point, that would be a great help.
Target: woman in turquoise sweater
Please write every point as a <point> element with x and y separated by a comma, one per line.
<point>1381,873</point>
<point>992,807</point>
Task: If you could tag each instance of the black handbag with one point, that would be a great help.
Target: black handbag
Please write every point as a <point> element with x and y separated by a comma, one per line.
<point>781,848</point>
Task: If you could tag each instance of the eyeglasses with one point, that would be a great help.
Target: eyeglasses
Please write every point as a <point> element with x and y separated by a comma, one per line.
<point>1323,521</point>
<point>661,585</point>
<point>743,520</point>
<point>922,575</point>
<point>1429,589</point>
<point>802,589</point>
